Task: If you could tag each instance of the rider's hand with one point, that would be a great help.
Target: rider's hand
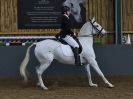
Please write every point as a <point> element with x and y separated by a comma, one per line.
<point>76,34</point>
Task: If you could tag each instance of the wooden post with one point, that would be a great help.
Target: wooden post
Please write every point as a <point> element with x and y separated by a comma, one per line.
<point>118,21</point>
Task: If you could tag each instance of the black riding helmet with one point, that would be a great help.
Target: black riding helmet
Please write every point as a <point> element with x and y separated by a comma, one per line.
<point>65,9</point>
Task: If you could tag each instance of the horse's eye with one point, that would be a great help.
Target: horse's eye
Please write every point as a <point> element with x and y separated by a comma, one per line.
<point>71,4</point>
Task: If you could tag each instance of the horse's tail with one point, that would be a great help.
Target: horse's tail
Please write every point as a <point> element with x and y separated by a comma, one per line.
<point>24,63</point>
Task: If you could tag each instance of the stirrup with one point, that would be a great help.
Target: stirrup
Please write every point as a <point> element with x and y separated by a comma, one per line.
<point>78,64</point>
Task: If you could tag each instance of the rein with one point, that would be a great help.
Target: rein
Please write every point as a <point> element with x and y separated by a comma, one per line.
<point>91,35</point>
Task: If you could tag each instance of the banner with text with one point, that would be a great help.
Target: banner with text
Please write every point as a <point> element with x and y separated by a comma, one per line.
<point>46,14</point>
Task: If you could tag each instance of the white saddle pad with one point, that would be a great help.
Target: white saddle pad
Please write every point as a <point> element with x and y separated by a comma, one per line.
<point>66,49</point>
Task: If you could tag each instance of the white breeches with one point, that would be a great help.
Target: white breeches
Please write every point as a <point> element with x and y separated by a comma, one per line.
<point>70,40</point>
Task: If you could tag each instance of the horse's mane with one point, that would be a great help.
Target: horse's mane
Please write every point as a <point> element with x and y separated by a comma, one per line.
<point>84,28</point>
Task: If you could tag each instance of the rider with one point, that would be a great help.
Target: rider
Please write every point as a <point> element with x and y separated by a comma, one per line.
<point>67,35</point>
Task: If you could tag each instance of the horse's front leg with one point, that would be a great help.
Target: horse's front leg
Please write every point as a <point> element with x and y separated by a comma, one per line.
<point>87,67</point>
<point>94,64</point>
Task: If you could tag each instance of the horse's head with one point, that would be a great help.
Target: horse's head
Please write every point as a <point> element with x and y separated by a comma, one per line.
<point>74,5</point>
<point>89,27</point>
<point>97,27</point>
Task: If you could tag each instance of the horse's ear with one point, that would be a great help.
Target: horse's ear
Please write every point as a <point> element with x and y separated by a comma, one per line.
<point>93,19</point>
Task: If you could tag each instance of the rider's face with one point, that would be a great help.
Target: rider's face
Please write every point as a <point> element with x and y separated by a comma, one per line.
<point>68,13</point>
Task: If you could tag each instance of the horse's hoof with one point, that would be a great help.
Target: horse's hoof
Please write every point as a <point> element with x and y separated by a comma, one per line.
<point>42,87</point>
<point>93,85</point>
<point>110,86</point>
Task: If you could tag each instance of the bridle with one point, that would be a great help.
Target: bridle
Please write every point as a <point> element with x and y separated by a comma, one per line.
<point>93,26</point>
<point>92,23</point>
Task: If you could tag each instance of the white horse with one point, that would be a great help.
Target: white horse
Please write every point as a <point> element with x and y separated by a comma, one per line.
<point>47,50</point>
<point>74,5</point>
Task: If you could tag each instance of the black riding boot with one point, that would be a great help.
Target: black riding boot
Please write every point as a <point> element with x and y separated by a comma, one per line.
<point>77,57</point>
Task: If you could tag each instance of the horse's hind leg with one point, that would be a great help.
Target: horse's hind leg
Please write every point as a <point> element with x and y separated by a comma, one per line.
<point>94,64</point>
<point>40,71</point>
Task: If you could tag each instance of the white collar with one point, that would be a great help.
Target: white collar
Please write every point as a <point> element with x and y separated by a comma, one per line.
<point>66,16</point>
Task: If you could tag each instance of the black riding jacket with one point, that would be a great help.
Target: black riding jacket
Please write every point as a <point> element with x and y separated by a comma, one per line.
<point>65,27</point>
